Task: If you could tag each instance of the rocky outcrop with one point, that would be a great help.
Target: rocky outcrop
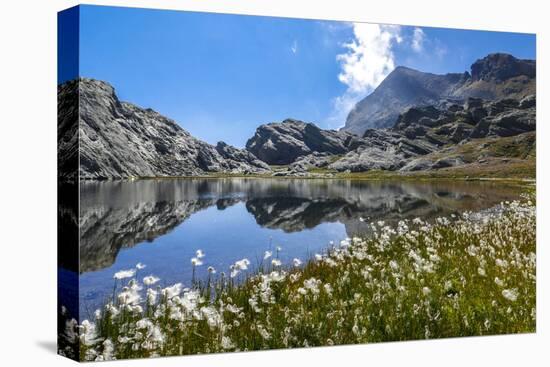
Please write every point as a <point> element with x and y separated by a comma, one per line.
<point>120,140</point>
<point>282,143</point>
<point>417,132</point>
<point>369,158</point>
<point>430,130</point>
<point>494,77</point>
<point>477,118</point>
<point>500,67</point>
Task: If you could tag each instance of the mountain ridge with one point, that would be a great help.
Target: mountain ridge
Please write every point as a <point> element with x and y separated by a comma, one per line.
<point>493,77</point>
<point>119,140</point>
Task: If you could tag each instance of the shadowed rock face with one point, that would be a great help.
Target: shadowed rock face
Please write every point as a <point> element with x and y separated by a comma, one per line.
<point>120,140</point>
<point>496,76</point>
<point>116,215</point>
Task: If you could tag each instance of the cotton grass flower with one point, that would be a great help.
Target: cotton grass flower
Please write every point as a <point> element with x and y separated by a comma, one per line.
<point>297,262</point>
<point>172,291</point>
<point>242,264</point>
<point>200,254</point>
<point>140,266</point>
<point>238,267</point>
<point>510,294</point>
<point>123,274</point>
<point>227,343</point>
<point>150,280</point>
<point>267,254</point>
<point>195,261</point>
<point>276,262</point>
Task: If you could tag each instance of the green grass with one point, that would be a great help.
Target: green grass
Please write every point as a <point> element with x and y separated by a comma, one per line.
<point>473,275</point>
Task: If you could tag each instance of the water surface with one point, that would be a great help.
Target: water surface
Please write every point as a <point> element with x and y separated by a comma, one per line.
<point>161,223</point>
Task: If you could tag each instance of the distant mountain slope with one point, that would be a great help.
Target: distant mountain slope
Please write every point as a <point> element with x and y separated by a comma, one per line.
<point>495,76</point>
<point>120,140</point>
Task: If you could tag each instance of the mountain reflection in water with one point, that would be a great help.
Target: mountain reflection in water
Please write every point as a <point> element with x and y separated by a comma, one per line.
<point>117,215</point>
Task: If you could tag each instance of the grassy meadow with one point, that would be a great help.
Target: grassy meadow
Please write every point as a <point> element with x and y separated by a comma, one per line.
<point>466,275</point>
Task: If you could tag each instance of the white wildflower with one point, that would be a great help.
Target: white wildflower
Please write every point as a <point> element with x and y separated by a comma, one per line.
<point>297,262</point>
<point>140,266</point>
<point>233,309</point>
<point>510,294</point>
<point>196,261</point>
<point>276,276</point>
<point>276,262</point>
<point>263,332</point>
<point>108,351</point>
<point>172,291</point>
<point>200,254</point>
<point>227,343</point>
<point>88,333</point>
<point>150,280</point>
<point>124,274</point>
<point>242,264</point>
<point>268,254</point>
<point>151,296</point>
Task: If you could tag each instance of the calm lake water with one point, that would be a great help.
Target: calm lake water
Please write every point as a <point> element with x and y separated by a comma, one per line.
<point>161,223</point>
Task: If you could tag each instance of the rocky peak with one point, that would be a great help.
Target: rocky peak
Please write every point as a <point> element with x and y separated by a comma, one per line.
<point>499,67</point>
<point>493,77</point>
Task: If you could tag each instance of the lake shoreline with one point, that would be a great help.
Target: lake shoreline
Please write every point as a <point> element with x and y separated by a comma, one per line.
<point>351,177</point>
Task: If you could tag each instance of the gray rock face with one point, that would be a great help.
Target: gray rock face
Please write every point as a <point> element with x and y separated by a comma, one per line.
<point>120,140</point>
<point>240,160</point>
<point>369,158</point>
<point>314,160</point>
<point>67,133</point>
<point>496,76</point>
<point>283,143</point>
<point>475,119</point>
<point>420,131</point>
<point>403,88</point>
<point>500,67</point>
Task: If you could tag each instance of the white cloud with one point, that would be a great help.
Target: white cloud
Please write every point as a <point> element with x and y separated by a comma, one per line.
<point>294,47</point>
<point>368,60</point>
<point>418,38</point>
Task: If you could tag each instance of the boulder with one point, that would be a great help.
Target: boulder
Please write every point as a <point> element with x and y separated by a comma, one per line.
<point>282,143</point>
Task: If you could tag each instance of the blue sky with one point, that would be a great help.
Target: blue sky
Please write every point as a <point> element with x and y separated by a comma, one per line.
<point>220,76</point>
